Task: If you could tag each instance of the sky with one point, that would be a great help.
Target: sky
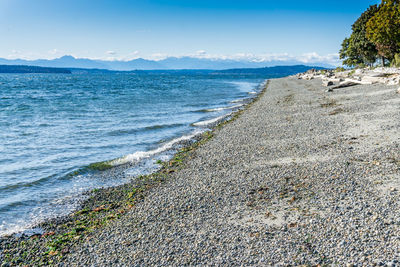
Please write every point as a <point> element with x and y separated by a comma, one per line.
<point>155,29</point>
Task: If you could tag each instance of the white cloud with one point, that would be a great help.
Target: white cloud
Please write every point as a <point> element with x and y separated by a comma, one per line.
<point>54,51</point>
<point>14,54</point>
<point>201,53</point>
<point>130,56</point>
<point>306,58</point>
<point>158,56</point>
<point>314,57</point>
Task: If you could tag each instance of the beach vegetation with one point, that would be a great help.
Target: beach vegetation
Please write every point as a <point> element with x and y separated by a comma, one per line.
<point>358,49</point>
<point>100,166</point>
<point>396,61</point>
<point>383,29</point>
<point>340,69</point>
<point>375,36</point>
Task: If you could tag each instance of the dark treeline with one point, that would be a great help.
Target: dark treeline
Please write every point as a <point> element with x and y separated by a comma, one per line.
<point>31,69</point>
<point>375,37</point>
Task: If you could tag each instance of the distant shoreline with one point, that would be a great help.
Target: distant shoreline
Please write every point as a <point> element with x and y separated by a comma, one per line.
<point>21,69</point>
<point>271,72</point>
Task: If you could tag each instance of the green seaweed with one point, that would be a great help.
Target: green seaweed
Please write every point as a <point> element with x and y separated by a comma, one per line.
<point>100,166</point>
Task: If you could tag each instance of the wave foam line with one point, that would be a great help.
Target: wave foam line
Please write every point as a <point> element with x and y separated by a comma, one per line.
<point>211,121</point>
<point>134,157</point>
<point>238,100</point>
<point>223,108</point>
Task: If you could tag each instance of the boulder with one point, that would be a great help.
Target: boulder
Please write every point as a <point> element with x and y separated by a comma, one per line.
<point>327,83</point>
<point>394,80</point>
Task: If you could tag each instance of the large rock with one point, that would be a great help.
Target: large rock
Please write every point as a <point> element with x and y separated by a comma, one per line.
<point>327,83</point>
<point>394,80</point>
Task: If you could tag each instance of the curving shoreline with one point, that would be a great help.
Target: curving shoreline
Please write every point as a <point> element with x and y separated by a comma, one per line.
<point>300,177</point>
<point>48,241</point>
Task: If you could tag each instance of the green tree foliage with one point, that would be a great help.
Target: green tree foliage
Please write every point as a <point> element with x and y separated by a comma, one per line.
<point>358,49</point>
<point>349,54</point>
<point>383,29</point>
<point>396,61</point>
<point>364,47</point>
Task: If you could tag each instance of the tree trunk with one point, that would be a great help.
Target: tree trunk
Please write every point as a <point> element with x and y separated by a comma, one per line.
<point>383,61</point>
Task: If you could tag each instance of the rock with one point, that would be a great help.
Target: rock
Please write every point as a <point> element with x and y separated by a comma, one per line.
<point>329,90</point>
<point>398,90</point>
<point>359,71</point>
<point>308,77</point>
<point>327,83</point>
<point>311,71</point>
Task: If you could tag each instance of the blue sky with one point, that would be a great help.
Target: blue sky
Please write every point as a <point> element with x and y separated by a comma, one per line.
<point>116,29</point>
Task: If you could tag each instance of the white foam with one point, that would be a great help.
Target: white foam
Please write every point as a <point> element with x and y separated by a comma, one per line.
<point>245,86</point>
<point>252,93</point>
<point>238,100</point>
<point>224,108</point>
<point>134,157</point>
<point>9,229</point>
<point>208,122</point>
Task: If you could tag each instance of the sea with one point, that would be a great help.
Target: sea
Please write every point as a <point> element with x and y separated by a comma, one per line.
<point>53,126</point>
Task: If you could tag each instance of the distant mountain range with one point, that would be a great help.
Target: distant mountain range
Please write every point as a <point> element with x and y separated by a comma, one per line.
<point>169,63</point>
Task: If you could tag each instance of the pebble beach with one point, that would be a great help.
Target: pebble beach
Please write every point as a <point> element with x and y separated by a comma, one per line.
<point>301,177</point>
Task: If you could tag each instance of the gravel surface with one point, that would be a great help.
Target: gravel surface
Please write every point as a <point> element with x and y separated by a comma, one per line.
<point>302,177</point>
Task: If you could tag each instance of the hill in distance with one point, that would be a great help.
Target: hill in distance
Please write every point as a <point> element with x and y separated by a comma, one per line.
<point>31,69</point>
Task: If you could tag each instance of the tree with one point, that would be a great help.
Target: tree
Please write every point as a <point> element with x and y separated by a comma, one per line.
<point>363,46</point>
<point>349,54</point>
<point>358,49</point>
<point>383,29</point>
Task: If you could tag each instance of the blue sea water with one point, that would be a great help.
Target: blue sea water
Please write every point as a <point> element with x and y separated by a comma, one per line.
<point>52,125</point>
